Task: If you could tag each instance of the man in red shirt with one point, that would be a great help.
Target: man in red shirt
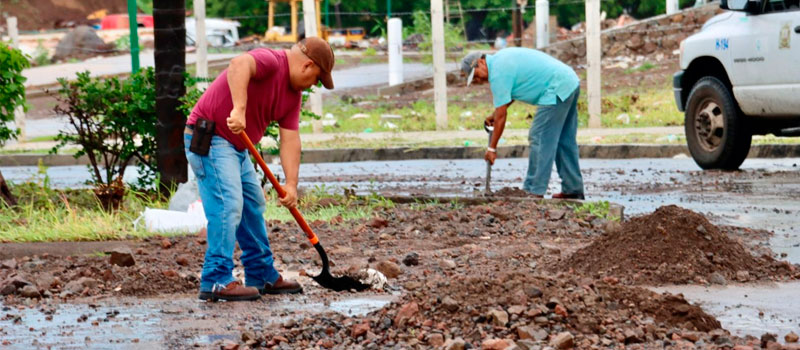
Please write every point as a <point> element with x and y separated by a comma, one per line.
<point>259,87</point>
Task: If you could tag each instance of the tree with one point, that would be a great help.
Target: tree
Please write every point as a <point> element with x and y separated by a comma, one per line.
<point>12,96</point>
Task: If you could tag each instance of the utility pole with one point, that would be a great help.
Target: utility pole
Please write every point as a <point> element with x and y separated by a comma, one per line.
<point>542,23</point>
<point>439,74</point>
<point>170,58</point>
<point>201,42</point>
<point>593,61</point>
<point>315,100</point>
<point>516,24</point>
<point>133,28</point>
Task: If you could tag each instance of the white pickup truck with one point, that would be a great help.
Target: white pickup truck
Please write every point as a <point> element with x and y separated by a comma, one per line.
<point>740,76</point>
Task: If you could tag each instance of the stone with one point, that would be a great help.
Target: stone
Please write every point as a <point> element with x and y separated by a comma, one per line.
<point>742,276</point>
<point>742,347</point>
<point>377,222</point>
<point>791,337</point>
<point>635,42</point>
<point>561,311</point>
<point>447,264</point>
<point>30,291</point>
<point>10,264</point>
<point>412,259</point>
<point>436,339</point>
<point>11,284</point>
<point>182,260</point>
<point>450,304</point>
<point>526,344</point>
<point>634,336</point>
<point>81,42</point>
<point>170,273</point>
<point>768,337</point>
<point>405,313</point>
<point>77,286</point>
<point>165,243</point>
<point>122,256</point>
<point>359,329</point>
<point>389,269</point>
<point>563,340</point>
<point>455,344</point>
<point>495,344</point>
<point>526,332</point>
<point>498,317</point>
<point>248,336</point>
<point>717,278</point>
<point>650,47</point>
<point>516,309</point>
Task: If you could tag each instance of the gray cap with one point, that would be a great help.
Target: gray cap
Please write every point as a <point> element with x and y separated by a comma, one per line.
<point>468,64</point>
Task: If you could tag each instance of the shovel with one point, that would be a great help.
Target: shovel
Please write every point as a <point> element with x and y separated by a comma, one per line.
<point>490,131</point>
<point>324,279</point>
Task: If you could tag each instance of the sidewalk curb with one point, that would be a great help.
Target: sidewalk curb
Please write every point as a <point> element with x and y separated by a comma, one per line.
<point>622,151</point>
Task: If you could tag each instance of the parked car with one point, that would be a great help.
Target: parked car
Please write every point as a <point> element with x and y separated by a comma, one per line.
<point>740,76</point>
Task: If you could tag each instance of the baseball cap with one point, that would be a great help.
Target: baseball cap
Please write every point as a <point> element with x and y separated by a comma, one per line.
<point>468,64</point>
<point>321,53</point>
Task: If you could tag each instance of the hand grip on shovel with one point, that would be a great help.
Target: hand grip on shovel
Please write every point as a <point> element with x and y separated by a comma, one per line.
<point>325,279</point>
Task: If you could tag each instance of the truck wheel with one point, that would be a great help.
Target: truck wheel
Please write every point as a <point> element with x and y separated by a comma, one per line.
<point>716,131</point>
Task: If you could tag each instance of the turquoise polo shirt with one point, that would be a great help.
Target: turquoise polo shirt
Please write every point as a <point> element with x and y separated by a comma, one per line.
<point>530,76</point>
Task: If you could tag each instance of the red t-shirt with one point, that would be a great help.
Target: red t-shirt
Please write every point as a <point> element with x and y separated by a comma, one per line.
<point>269,97</point>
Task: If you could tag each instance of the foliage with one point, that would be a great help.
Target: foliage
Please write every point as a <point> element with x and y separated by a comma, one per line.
<point>41,57</point>
<point>599,209</point>
<point>114,122</point>
<point>453,36</point>
<point>12,88</point>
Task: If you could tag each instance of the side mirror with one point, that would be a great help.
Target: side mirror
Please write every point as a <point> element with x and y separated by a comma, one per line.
<point>750,6</point>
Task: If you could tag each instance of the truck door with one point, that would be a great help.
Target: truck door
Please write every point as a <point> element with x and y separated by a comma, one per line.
<point>766,60</point>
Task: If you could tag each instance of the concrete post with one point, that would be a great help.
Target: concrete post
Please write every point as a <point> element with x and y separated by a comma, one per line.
<point>201,41</point>
<point>310,21</point>
<point>270,15</point>
<point>19,113</point>
<point>672,6</point>
<point>542,23</point>
<point>593,61</point>
<point>395,51</point>
<point>439,74</point>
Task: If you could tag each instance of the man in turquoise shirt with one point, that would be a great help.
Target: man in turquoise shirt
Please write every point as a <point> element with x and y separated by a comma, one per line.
<point>533,77</point>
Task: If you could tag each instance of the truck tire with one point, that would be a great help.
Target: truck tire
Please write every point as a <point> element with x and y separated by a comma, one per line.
<point>716,130</point>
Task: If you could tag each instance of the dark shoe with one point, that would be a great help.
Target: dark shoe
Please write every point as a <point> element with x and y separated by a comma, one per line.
<point>234,291</point>
<point>281,286</point>
<point>569,196</point>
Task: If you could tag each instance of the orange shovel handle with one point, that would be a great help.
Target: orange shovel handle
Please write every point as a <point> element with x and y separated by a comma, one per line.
<point>312,237</point>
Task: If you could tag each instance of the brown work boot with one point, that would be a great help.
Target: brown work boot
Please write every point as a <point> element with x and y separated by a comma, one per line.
<point>281,286</point>
<point>569,196</point>
<point>234,291</point>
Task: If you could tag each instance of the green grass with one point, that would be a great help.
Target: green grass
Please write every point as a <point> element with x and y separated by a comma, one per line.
<point>646,66</point>
<point>44,214</point>
<point>42,139</point>
<point>598,209</point>
<point>651,107</point>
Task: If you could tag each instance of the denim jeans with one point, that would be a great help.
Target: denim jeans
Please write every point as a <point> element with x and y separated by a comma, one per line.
<point>234,205</point>
<point>553,138</point>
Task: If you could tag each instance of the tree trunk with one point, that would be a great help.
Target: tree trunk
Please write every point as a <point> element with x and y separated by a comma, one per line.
<point>170,57</point>
<point>5,192</point>
<point>338,16</point>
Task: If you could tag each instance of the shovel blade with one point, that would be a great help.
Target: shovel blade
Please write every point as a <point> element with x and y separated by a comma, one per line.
<point>326,280</point>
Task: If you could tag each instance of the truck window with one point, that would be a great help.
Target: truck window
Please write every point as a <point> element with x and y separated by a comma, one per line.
<point>773,6</point>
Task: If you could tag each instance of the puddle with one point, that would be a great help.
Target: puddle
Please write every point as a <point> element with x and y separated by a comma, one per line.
<point>114,330</point>
<point>747,309</point>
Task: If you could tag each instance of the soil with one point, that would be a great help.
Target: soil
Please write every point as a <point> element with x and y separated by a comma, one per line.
<point>672,246</point>
<point>483,273</point>
<point>54,14</point>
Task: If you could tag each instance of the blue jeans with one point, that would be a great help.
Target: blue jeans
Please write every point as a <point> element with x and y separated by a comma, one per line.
<point>553,138</point>
<point>234,205</point>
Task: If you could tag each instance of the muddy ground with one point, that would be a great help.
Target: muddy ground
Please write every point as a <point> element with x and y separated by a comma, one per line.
<point>483,276</point>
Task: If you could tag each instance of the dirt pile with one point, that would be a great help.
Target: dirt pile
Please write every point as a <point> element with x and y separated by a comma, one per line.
<point>673,245</point>
<point>510,307</point>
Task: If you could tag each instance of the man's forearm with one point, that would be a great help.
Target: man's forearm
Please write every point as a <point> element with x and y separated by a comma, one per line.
<point>499,126</point>
<point>239,72</point>
<point>290,155</point>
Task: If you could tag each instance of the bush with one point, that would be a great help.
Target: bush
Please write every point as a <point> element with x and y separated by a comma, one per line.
<point>12,88</point>
<point>453,35</point>
<point>114,123</point>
